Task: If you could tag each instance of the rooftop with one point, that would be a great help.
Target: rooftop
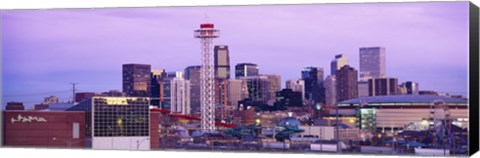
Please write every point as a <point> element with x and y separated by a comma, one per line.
<point>404,100</point>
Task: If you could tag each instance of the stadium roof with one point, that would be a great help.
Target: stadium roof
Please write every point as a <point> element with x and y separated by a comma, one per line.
<point>403,100</point>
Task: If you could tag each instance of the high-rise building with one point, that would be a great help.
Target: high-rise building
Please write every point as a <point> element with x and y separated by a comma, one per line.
<point>246,69</point>
<point>314,90</point>
<point>237,91</point>
<point>363,88</point>
<point>347,86</point>
<point>156,86</point>
<point>176,94</point>
<point>274,85</point>
<point>382,86</point>
<point>372,63</point>
<point>296,86</point>
<point>136,80</point>
<point>330,90</point>
<point>223,107</point>
<point>221,62</point>
<point>257,88</point>
<point>410,87</point>
<point>192,73</point>
<point>337,63</point>
<point>180,95</point>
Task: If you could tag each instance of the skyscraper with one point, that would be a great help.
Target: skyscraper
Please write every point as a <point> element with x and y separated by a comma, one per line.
<point>221,62</point>
<point>192,73</point>
<point>410,87</point>
<point>257,88</point>
<point>245,70</point>
<point>314,90</point>
<point>156,88</point>
<point>179,97</point>
<point>274,85</point>
<point>237,91</point>
<point>296,86</point>
<point>363,88</point>
<point>136,80</point>
<point>337,63</point>
<point>346,84</point>
<point>330,90</point>
<point>372,63</point>
<point>382,86</point>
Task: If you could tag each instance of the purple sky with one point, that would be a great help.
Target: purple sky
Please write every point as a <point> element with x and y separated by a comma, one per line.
<point>44,50</point>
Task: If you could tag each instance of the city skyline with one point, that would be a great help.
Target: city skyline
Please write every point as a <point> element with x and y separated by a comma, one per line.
<point>162,37</point>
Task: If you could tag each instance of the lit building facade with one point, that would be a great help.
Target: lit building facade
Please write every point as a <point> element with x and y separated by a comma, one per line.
<point>136,80</point>
<point>120,123</point>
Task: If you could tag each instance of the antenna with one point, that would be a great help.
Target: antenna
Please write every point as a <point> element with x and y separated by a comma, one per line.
<point>73,91</point>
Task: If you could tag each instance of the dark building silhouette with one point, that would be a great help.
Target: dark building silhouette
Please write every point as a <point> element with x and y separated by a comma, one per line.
<point>136,80</point>
<point>347,85</point>
<point>314,90</point>
<point>15,106</point>
<point>288,98</point>
<point>156,86</point>
<point>221,59</point>
<point>192,73</point>
<point>245,70</point>
<point>410,87</point>
<point>382,86</point>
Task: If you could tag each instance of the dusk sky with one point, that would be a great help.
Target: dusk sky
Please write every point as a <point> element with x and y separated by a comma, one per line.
<point>44,50</point>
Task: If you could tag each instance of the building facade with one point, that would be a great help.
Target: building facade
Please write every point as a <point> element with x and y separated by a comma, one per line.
<point>221,61</point>
<point>297,86</point>
<point>245,70</point>
<point>330,90</point>
<point>382,86</point>
<point>192,73</point>
<point>314,90</point>
<point>372,63</point>
<point>257,87</point>
<point>274,85</point>
<point>44,129</point>
<point>120,123</point>
<point>410,87</point>
<point>347,87</point>
<point>136,80</point>
<point>156,88</point>
<point>337,63</point>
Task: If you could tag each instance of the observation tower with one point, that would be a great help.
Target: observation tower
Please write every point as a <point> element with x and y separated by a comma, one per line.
<point>206,34</point>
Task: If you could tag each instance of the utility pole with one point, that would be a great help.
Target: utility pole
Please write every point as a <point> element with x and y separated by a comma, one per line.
<point>73,91</point>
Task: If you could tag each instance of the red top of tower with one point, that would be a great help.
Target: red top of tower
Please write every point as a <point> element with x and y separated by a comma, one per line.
<point>206,25</point>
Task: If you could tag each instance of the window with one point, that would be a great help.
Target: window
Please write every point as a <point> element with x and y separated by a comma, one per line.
<point>76,130</point>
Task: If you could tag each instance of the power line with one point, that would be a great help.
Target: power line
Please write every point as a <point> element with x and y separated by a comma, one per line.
<point>36,94</point>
